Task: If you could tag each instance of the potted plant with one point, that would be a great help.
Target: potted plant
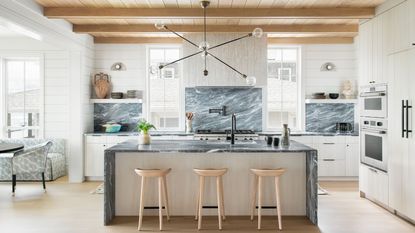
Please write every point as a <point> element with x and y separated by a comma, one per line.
<point>143,127</point>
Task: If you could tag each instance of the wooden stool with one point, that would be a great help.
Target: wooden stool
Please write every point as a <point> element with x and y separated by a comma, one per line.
<point>162,186</point>
<point>259,174</point>
<point>218,173</point>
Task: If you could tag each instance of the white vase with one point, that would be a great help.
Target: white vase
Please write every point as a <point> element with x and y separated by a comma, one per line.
<point>189,126</point>
<point>144,139</point>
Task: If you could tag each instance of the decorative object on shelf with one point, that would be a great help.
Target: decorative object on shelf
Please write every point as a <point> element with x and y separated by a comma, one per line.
<point>328,66</point>
<point>117,95</point>
<point>348,91</point>
<point>102,85</point>
<point>112,127</point>
<point>189,122</point>
<point>318,95</point>
<point>204,47</point>
<point>334,95</point>
<point>285,138</point>
<point>134,94</point>
<point>143,127</point>
<point>118,66</point>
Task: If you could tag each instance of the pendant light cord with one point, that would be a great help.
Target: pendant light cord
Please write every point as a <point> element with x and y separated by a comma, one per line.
<point>204,38</point>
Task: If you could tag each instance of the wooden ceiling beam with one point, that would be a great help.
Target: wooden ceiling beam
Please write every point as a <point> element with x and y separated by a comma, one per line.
<point>289,28</point>
<point>175,40</point>
<point>267,13</point>
<point>137,40</point>
<point>310,40</point>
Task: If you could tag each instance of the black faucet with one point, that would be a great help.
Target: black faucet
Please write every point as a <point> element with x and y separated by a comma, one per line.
<point>233,129</point>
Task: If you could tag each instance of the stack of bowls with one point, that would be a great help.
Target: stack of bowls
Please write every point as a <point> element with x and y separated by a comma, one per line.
<point>319,95</point>
<point>134,94</point>
<point>116,95</point>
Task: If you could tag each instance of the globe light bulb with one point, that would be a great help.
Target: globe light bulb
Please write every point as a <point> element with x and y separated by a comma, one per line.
<point>204,45</point>
<point>251,80</point>
<point>159,25</point>
<point>257,32</point>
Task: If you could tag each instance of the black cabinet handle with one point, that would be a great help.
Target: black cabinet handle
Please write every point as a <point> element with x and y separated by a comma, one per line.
<point>407,119</point>
<point>329,160</point>
<point>403,119</point>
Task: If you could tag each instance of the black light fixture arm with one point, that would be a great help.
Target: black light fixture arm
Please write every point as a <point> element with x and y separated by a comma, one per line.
<point>170,63</point>
<point>184,38</point>
<point>230,41</point>
<point>226,64</point>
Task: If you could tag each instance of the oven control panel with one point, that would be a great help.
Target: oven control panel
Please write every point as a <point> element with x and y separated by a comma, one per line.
<point>374,123</point>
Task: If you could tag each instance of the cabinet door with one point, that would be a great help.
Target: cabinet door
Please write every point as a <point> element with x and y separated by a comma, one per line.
<point>412,23</point>
<point>400,27</point>
<point>94,162</point>
<point>331,167</point>
<point>366,52</point>
<point>352,159</point>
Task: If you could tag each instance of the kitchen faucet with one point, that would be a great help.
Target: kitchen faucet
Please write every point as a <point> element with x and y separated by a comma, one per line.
<point>233,129</point>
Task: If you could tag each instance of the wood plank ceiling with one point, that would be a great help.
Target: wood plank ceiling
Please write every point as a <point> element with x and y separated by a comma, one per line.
<point>285,21</point>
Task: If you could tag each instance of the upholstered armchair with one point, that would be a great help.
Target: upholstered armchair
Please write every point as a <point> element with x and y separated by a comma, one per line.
<point>30,161</point>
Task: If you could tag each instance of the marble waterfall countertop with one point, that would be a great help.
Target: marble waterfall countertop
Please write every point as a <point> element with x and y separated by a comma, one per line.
<point>206,148</point>
<point>197,146</point>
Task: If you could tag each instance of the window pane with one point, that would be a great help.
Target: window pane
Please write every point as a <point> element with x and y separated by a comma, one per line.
<point>165,89</point>
<point>15,73</point>
<point>283,87</point>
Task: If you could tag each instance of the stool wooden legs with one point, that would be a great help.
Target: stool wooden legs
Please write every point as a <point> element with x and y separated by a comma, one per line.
<point>220,201</point>
<point>200,201</point>
<point>140,214</point>
<point>258,189</point>
<point>162,198</point>
<point>277,194</point>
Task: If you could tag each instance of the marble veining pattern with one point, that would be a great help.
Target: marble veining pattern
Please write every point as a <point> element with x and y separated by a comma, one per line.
<point>203,148</point>
<point>128,114</point>
<point>245,102</point>
<point>323,117</point>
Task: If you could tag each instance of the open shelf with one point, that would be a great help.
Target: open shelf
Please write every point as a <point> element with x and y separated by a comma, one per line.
<point>331,101</point>
<point>115,101</point>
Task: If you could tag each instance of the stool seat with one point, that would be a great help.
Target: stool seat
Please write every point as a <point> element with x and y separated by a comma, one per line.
<point>268,172</point>
<point>257,188</point>
<point>210,171</point>
<point>152,172</point>
<point>160,174</point>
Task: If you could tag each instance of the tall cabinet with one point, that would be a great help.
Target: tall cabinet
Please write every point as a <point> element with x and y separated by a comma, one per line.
<point>387,55</point>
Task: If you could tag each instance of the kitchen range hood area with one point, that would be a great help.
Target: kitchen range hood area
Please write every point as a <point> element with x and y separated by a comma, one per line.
<point>207,115</point>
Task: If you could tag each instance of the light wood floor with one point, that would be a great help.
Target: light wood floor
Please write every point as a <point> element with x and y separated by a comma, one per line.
<point>71,208</point>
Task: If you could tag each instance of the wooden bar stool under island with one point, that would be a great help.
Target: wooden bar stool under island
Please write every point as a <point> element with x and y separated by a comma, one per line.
<point>259,175</point>
<point>218,173</point>
<point>162,191</point>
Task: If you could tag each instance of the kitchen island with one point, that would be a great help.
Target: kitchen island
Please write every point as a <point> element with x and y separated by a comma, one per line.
<point>298,185</point>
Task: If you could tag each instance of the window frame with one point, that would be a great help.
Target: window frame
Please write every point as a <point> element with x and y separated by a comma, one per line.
<point>301,90</point>
<point>146,108</point>
<point>3,84</point>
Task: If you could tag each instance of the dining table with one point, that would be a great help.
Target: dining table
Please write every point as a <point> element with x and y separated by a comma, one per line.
<point>10,147</point>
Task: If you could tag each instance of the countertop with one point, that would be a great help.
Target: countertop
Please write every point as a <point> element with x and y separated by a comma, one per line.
<point>264,133</point>
<point>196,146</point>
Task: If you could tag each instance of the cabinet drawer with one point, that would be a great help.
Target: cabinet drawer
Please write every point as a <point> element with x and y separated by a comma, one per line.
<point>375,184</point>
<point>96,139</point>
<point>329,139</point>
<point>331,167</point>
<point>331,150</point>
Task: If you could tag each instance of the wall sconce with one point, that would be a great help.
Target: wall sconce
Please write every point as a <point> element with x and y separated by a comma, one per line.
<point>328,66</point>
<point>118,66</point>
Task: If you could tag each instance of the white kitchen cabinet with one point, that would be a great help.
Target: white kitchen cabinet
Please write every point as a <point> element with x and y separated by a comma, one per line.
<point>352,157</point>
<point>400,28</point>
<point>366,52</point>
<point>331,168</point>
<point>375,184</point>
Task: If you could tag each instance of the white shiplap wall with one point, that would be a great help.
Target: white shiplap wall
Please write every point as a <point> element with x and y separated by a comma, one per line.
<point>342,55</point>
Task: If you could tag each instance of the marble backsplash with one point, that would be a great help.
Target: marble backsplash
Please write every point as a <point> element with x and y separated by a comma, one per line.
<point>245,102</point>
<point>127,114</point>
<point>323,117</point>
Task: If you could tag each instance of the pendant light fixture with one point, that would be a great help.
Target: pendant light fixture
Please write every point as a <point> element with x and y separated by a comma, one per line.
<point>205,48</point>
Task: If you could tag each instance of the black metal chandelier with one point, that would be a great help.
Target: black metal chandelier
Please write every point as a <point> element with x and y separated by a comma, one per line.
<point>204,47</point>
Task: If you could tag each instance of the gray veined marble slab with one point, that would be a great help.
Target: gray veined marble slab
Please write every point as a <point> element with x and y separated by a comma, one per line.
<point>246,102</point>
<point>323,117</point>
<point>127,113</point>
<point>203,148</point>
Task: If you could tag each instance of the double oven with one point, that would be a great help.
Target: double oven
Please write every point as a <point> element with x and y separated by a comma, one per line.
<point>374,126</point>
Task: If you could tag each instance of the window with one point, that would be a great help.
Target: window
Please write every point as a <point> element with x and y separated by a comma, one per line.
<point>164,88</point>
<point>22,87</point>
<point>283,87</point>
